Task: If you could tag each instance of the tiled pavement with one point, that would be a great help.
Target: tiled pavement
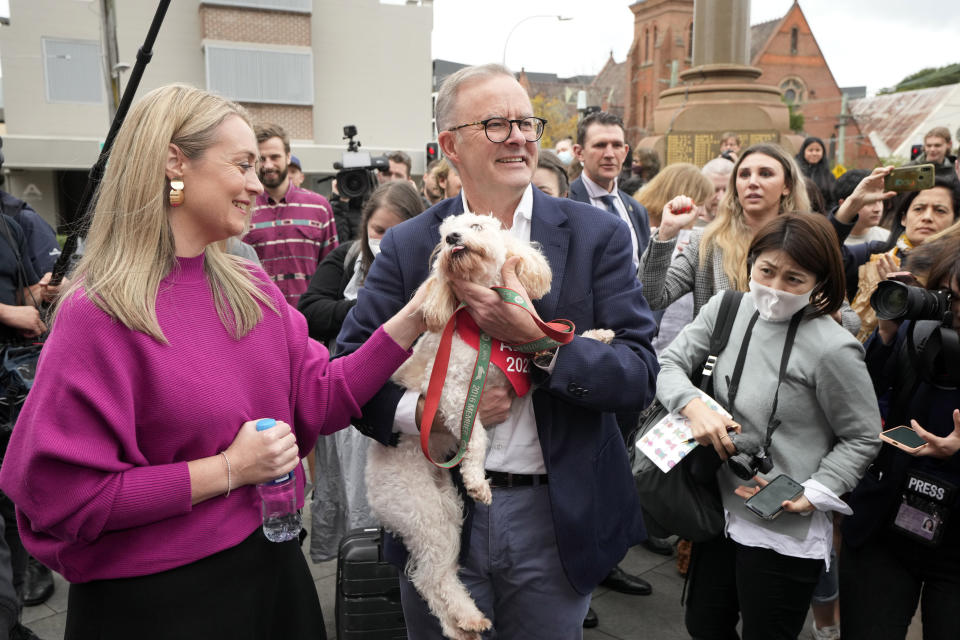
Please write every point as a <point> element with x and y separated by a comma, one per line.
<point>622,617</point>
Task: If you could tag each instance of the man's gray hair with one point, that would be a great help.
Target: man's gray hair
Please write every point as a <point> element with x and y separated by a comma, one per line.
<point>717,167</point>
<point>447,96</point>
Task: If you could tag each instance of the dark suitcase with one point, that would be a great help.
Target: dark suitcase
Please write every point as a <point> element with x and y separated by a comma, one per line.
<point>368,590</point>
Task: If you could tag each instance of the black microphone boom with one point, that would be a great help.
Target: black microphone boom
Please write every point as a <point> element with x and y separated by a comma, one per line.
<point>84,210</point>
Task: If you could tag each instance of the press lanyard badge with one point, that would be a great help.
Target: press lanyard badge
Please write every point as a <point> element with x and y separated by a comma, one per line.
<point>924,506</point>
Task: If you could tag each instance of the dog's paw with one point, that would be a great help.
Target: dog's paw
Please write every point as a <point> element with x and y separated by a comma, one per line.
<point>480,492</point>
<point>465,628</point>
<point>603,335</point>
<point>475,624</point>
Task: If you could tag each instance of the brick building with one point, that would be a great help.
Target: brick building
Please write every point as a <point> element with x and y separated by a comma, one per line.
<point>785,50</point>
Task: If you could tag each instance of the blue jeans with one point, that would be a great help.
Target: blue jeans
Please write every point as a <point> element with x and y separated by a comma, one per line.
<point>828,587</point>
<point>513,572</point>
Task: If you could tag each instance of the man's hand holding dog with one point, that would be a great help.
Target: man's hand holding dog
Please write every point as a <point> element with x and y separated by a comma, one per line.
<point>505,322</point>
<point>495,403</point>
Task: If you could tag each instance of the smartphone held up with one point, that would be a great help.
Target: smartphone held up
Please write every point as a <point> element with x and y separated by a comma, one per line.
<point>912,178</point>
<point>904,438</point>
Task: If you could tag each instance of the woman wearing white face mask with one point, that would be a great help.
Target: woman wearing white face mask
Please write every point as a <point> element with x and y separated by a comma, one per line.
<point>817,423</point>
<point>339,500</point>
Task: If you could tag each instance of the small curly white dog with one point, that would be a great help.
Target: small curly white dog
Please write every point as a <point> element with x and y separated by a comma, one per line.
<point>413,498</point>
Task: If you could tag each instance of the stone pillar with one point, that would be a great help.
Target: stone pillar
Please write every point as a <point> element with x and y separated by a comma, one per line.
<point>721,32</point>
<point>719,93</point>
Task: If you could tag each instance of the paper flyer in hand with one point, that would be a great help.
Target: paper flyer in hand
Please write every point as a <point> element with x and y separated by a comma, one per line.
<point>666,442</point>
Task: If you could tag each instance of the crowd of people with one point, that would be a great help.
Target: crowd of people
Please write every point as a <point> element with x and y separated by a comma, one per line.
<point>133,466</point>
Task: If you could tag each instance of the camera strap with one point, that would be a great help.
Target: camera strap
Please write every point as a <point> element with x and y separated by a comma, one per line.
<point>733,383</point>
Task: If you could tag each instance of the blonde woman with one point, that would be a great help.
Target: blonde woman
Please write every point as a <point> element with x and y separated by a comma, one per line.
<point>765,183</point>
<point>677,179</point>
<point>135,461</point>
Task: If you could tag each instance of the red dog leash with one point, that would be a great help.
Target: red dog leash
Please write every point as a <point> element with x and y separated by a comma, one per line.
<point>557,332</point>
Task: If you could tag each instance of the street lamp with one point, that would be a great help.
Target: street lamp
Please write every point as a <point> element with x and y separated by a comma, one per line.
<point>507,41</point>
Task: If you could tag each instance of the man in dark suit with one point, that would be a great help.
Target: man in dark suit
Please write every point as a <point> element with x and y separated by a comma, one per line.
<point>601,147</point>
<point>564,507</point>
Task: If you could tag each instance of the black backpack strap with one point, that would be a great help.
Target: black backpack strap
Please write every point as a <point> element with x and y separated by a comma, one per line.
<point>726,316</point>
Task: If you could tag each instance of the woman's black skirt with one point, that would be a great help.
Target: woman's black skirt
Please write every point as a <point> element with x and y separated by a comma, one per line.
<point>257,590</point>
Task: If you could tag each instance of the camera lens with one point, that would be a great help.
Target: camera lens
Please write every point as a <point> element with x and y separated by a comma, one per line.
<point>897,301</point>
<point>353,183</point>
<point>742,465</point>
<point>890,300</point>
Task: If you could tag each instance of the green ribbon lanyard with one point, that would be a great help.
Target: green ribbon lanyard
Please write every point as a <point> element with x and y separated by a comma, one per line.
<point>556,333</point>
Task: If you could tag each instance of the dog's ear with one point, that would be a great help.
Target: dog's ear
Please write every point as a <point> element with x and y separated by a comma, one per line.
<point>533,269</point>
<point>438,304</point>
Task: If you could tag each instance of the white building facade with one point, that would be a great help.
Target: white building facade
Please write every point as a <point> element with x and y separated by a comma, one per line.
<point>311,66</point>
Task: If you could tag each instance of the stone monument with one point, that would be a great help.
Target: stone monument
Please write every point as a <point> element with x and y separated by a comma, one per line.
<point>719,93</point>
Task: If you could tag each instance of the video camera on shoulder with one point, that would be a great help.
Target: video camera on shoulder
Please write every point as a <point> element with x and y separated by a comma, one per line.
<point>357,170</point>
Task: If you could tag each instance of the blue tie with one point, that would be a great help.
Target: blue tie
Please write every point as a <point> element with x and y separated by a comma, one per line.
<point>608,201</point>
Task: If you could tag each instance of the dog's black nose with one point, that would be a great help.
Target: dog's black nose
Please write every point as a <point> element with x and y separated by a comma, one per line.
<point>453,238</point>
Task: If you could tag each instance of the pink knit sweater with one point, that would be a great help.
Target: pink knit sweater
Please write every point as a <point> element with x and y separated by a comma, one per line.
<point>97,465</point>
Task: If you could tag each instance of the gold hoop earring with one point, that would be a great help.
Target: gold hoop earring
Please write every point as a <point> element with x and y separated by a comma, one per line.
<point>176,193</point>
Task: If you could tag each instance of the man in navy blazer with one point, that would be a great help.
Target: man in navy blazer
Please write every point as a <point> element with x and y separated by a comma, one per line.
<point>564,508</point>
<point>601,147</point>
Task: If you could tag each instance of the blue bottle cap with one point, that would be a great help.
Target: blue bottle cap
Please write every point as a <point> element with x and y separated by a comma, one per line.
<point>266,423</point>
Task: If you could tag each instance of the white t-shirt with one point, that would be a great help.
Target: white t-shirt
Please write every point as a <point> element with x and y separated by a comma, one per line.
<point>878,234</point>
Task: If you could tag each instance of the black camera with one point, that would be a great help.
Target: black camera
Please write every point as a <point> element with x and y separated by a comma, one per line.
<point>357,170</point>
<point>898,301</point>
<point>751,457</point>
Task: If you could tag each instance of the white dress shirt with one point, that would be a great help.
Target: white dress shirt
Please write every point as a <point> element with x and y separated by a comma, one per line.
<point>514,445</point>
<point>596,193</point>
<point>819,538</point>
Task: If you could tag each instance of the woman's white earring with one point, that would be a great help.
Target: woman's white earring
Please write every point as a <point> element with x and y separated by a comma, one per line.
<point>176,193</point>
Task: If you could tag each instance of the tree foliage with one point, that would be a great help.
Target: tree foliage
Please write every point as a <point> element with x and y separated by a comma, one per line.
<point>561,118</point>
<point>796,118</point>
<point>926,78</point>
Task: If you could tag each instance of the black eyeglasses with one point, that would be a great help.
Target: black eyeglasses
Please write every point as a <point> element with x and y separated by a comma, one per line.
<point>499,129</point>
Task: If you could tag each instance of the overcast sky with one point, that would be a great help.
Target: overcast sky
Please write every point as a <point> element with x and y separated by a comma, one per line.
<point>866,42</point>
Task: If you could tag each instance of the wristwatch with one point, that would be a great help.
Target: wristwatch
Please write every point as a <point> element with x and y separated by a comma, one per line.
<point>543,358</point>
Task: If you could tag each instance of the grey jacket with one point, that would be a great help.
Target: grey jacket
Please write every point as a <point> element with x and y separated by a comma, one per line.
<point>828,411</point>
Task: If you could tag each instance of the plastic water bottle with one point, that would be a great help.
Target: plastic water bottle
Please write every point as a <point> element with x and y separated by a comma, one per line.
<point>281,520</point>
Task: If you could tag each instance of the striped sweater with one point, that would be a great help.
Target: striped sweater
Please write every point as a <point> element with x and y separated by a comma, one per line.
<point>291,237</point>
